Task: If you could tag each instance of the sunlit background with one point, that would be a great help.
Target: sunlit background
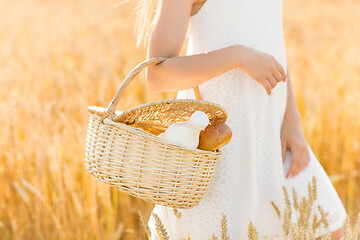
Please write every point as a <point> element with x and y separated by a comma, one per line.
<point>59,56</point>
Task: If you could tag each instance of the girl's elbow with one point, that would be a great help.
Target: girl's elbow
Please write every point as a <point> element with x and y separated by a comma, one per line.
<point>153,86</point>
<point>153,82</point>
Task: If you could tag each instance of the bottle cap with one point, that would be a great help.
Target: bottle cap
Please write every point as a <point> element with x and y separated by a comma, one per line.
<point>199,120</point>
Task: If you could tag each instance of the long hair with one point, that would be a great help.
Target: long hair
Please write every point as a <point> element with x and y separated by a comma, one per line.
<point>146,15</point>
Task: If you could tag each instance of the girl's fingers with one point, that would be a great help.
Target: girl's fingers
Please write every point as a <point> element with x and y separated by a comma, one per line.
<point>281,70</point>
<point>267,87</point>
<point>294,164</point>
<point>272,81</point>
<point>290,173</point>
<point>293,170</point>
<point>306,160</point>
<point>300,160</point>
<point>277,75</point>
<point>283,149</point>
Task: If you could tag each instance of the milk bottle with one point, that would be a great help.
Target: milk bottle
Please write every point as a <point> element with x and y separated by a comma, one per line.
<point>186,133</point>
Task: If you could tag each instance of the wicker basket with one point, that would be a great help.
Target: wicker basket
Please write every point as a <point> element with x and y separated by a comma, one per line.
<point>123,150</point>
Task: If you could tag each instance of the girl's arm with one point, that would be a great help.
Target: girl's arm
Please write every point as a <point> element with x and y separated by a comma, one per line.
<point>184,72</point>
<point>166,40</point>
<point>292,135</point>
<point>291,113</point>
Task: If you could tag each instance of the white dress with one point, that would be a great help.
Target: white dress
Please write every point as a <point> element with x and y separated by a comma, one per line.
<point>250,173</point>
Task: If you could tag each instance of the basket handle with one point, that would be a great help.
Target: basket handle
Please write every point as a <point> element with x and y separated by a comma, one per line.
<point>112,106</point>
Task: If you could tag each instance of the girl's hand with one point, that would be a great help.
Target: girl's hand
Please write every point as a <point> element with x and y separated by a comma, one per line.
<point>292,138</point>
<point>262,67</point>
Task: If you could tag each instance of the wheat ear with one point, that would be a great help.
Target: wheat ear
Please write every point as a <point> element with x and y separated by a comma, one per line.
<point>213,237</point>
<point>252,232</point>
<point>276,209</point>
<point>224,231</point>
<point>144,224</point>
<point>160,228</point>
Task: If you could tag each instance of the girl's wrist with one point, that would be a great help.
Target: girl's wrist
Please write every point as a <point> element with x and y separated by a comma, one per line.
<point>292,116</point>
<point>241,55</point>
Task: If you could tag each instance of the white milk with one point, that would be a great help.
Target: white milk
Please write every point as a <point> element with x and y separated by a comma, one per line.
<point>186,133</point>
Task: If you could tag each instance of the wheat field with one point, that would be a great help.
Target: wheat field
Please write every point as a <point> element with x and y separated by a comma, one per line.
<point>58,57</point>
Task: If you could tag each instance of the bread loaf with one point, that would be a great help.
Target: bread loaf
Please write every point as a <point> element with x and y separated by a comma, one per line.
<point>214,136</point>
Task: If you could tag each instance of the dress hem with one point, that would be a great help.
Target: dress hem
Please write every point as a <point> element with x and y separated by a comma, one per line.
<point>332,227</point>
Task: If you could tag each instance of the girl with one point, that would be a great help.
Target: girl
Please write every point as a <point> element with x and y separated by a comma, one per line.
<point>236,55</point>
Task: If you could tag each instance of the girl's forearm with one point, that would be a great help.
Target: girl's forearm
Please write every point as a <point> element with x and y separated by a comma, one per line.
<point>184,72</point>
<point>292,112</point>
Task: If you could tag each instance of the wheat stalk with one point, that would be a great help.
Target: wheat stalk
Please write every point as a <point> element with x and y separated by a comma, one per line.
<point>224,231</point>
<point>295,199</point>
<point>326,237</point>
<point>357,226</point>
<point>276,209</point>
<point>252,232</point>
<point>303,229</point>
<point>324,216</point>
<point>177,213</point>
<point>314,186</point>
<point>188,237</point>
<point>144,224</point>
<point>213,237</point>
<point>163,235</point>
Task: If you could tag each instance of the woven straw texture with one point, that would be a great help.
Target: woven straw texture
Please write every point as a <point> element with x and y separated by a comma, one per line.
<point>123,150</point>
